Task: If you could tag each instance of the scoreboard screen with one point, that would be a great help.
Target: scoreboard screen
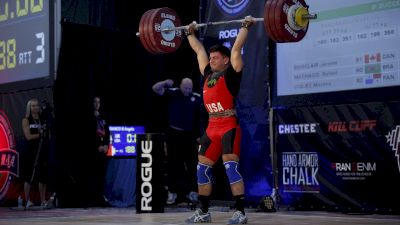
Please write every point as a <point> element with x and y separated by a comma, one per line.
<point>123,140</point>
<point>350,54</point>
<point>24,40</point>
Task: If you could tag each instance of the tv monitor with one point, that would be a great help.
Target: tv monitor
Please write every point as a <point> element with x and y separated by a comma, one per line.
<point>350,54</point>
<point>25,40</point>
<point>123,140</point>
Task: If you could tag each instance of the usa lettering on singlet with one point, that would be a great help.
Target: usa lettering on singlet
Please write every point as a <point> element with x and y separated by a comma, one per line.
<point>220,89</point>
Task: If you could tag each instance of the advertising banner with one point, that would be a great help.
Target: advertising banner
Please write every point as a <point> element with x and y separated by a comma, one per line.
<point>343,157</point>
<point>150,191</point>
<point>9,161</point>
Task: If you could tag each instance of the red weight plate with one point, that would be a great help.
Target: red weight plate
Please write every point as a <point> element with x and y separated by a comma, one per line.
<point>166,41</point>
<point>267,21</point>
<point>148,29</point>
<point>143,40</point>
<point>274,20</point>
<point>271,16</point>
<point>281,21</point>
<point>171,40</point>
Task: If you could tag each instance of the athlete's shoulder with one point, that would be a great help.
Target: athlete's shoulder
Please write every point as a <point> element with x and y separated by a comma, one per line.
<point>230,70</point>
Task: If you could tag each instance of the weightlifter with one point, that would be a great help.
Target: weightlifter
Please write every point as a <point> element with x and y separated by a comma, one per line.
<point>222,71</point>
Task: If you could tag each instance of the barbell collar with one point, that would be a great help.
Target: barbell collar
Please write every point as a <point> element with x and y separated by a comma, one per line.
<point>310,16</point>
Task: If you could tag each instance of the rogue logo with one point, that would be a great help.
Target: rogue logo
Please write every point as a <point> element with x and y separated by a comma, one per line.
<point>9,158</point>
<point>146,174</point>
<point>393,137</point>
<point>225,34</point>
<point>232,7</point>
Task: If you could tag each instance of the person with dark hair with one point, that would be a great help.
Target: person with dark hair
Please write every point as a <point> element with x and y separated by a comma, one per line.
<point>36,156</point>
<point>222,72</point>
<point>98,163</point>
<point>182,132</point>
<point>102,134</point>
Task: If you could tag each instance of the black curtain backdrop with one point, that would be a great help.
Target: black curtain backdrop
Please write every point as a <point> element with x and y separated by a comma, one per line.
<point>96,61</point>
<point>110,63</point>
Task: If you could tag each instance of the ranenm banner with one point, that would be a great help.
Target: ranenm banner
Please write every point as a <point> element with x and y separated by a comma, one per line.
<point>339,157</point>
<point>252,102</point>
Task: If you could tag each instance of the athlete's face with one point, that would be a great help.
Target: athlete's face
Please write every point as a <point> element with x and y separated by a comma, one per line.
<point>218,62</point>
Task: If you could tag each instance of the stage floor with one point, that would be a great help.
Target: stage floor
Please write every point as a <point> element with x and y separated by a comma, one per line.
<point>171,216</point>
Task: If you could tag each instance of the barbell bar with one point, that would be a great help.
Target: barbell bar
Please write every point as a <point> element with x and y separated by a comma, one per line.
<point>200,25</point>
<point>160,29</point>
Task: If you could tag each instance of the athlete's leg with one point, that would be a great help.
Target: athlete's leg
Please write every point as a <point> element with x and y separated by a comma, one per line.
<point>230,157</point>
<point>231,163</point>
<point>209,152</point>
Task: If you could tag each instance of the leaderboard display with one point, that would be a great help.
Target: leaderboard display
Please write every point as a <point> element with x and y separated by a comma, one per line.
<point>24,40</point>
<point>353,45</point>
<point>123,140</point>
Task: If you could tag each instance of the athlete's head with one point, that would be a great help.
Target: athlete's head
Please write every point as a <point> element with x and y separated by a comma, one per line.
<point>219,57</point>
<point>186,86</point>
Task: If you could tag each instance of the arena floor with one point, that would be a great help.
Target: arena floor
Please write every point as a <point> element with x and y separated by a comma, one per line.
<point>171,216</point>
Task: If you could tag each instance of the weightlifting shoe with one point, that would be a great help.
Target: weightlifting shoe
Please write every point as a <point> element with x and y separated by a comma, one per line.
<point>199,217</point>
<point>238,218</point>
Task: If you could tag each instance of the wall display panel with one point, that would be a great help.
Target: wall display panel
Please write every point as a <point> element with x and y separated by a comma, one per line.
<point>351,53</point>
<point>24,40</point>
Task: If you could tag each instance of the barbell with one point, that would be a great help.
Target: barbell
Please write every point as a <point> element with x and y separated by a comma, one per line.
<point>160,29</point>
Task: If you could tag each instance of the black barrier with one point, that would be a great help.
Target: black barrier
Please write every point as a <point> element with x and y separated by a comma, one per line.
<point>150,191</point>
